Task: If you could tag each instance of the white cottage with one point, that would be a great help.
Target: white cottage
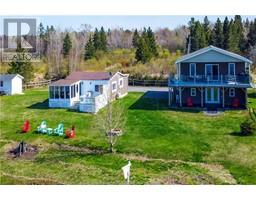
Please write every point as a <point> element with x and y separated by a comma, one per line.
<point>11,84</point>
<point>87,91</point>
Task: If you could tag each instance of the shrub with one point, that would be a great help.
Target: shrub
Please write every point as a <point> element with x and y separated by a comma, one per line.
<point>248,127</point>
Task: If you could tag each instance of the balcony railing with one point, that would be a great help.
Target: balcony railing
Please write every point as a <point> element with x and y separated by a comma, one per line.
<point>208,79</point>
<point>87,100</point>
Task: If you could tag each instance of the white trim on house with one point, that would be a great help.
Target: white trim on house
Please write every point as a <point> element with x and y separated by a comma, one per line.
<point>229,65</point>
<point>210,48</point>
<point>211,100</point>
<point>231,92</point>
<point>210,64</point>
<point>190,66</point>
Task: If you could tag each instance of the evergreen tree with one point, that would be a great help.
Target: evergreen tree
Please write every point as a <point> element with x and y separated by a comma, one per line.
<point>225,33</point>
<point>21,66</point>
<point>41,31</point>
<point>103,40</point>
<point>200,36</point>
<point>142,52</point>
<point>135,38</point>
<point>207,30</point>
<point>233,39</point>
<point>240,33</point>
<point>89,49</point>
<point>151,42</point>
<point>96,40</point>
<point>191,38</point>
<point>251,36</point>
<point>67,45</point>
<point>217,34</point>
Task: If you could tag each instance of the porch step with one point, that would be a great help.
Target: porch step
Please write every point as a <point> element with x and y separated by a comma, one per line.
<point>75,106</point>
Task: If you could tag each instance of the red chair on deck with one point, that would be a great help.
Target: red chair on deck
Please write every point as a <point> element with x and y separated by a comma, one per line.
<point>235,103</point>
<point>26,127</point>
<point>189,102</point>
<point>70,133</point>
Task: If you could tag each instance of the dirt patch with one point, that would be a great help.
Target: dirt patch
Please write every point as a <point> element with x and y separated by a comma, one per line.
<point>80,149</point>
<point>23,150</point>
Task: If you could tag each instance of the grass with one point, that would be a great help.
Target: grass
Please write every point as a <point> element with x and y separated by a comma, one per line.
<point>165,146</point>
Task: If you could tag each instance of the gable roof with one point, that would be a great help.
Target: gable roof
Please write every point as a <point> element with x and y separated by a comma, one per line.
<point>9,76</point>
<point>212,48</point>
<point>79,75</point>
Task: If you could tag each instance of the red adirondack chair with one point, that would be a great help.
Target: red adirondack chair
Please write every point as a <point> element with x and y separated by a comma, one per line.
<point>235,103</point>
<point>71,133</point>
<point>189,102</point>
<point>26,127</point>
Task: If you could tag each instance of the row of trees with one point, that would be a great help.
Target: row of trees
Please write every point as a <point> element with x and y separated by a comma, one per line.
<point>232,35</point>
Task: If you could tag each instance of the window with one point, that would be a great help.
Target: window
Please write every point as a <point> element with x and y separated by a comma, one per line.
<point>56,92</point>
<point>193,92</point>
<point>114,88</point>
<point>51,92</point>
<point>80,88</point>
<point>62,92</point>
<point>1,83</point>
<point>99,88</point>
<point>247,68</point>
<point>67,92</point>
<point>232,92</point>
<point>76,88</point>
<point>192,69</point>
<point>72,91</point>
<point>121,82</point>
<point>231,69</point>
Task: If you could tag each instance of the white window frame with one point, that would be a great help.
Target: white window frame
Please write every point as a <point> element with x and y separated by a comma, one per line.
<point>114,83</point>
<point>121,85</point>
<point>231,92</point>
<point>229,66</point>
<point>193,92</point>
<point>190,66</point>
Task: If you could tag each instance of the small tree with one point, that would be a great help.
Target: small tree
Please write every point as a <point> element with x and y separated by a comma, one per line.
<point>21,66</point>
<point>248,127</point>
<point>110,121</point>
<point>89,49</point>
<point>67,45</point>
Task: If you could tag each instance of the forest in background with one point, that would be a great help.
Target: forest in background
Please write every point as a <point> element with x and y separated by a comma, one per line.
<point>142,53</point>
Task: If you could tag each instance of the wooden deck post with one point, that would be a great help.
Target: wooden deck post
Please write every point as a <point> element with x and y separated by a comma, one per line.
<point>180,96</point>
<point>223,97</point>
<point>202,98</point>
<point>169,102</point>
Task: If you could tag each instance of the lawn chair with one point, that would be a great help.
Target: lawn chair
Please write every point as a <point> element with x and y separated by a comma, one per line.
<point>42,128</point>
<point>70,133</point>
<point>59,130</point>
<point>26,127</point>
<point>189,102</point>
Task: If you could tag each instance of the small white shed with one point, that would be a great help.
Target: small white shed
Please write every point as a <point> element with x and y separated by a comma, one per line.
<point>11,83</point>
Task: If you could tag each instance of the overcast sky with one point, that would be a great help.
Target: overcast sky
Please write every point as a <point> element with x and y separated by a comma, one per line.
<point>126,22</point>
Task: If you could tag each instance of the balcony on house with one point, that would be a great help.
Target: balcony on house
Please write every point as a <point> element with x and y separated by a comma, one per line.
<point>209,80</point>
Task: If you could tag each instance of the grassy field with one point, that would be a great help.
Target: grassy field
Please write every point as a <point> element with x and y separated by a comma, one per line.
<point>165,146</point>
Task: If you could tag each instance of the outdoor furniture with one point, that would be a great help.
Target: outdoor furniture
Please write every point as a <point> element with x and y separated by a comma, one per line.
<point>189,102</point>
<point>59,130</point>
<point>26,127</point>
<point>70,133</point>
<point>42,128</point>
<point>235,103</point>
<point>49,131</point>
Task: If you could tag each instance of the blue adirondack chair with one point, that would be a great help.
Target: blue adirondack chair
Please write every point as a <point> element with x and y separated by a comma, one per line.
<point>42,128</point>
<point>59,130</point>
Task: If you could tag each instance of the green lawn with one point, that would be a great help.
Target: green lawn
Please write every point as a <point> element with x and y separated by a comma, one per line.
<point>165,146</point>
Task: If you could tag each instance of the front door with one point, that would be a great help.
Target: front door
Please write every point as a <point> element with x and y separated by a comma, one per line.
<point>212,95</point>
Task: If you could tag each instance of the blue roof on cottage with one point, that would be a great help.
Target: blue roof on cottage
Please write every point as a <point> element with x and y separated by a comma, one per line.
<point>215,49</point>
<point>9,76</point>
